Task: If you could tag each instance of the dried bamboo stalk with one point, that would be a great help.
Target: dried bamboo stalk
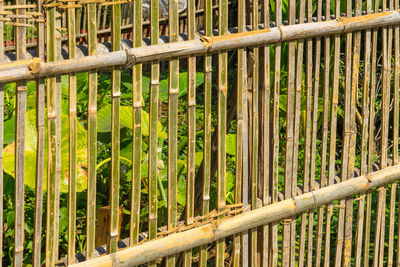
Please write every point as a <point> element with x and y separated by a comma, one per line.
<point>239,250</point>
<point>287,225</point>
<point>275,133</point>
<point>153,121</point>
<point>191,101</point>
<point>371,139</point>
<point>137,126</point>
<point>364,140</point>
<point>92,135</point>
<point>254,131</point>
<point>178,242</point>
<point>40,104</point>
<point>173,91</point>
<point>20,110</point>
<point>51,239</point>
<point>115,132</point>
<point>207,126</point>
<point>396,106</point>
<point>221,124</point>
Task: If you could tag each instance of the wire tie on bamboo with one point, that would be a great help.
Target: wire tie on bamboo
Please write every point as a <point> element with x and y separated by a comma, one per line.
<point>130,59</point>
<point>206,41</point>
<point>34,66</point>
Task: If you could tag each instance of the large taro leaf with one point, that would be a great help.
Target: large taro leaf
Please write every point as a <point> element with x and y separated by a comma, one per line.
<point>104,121</point>
<point>30,154</point>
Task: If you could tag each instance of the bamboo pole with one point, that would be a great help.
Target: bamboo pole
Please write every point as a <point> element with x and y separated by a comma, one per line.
<point>92,135</point>
<point>191,102</point>
<point>173,130</point>
<point>115,132</point>
<point>40,104</point>
<point>396,107</point>
<point>221,124</point>
<point>287,225</point>
<point>178,242</point>
<point>20,110</point>
<point>239,250</point>
<point>137,126</point>
<point>364,141</point>
<point>52,176</point>
<point>214,44</point>
<point>207,126</point>
<point>153,128</point>
<point>72,140</point>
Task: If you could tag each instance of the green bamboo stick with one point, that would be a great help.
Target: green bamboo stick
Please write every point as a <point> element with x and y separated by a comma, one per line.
<point>115,132</point>
<point>221,126</point>
<point>51,238</point>
<point>154,87</point>
<point>191,101</point>
<point>72,140</point>
<point>207,125</point>
<point>92,135</point>
<point>40,105</point>
<point>2,31</point>
<point>173,129</point>
<point>137,127</point>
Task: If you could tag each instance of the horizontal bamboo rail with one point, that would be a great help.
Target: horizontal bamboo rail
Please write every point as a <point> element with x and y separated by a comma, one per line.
<point>179,242</point>
<point>35,69</point>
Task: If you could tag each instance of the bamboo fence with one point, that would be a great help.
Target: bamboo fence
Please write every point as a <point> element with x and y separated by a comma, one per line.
<point>310,90</point>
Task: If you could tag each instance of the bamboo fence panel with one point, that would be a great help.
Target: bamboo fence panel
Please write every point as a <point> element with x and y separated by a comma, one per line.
<point>313,110</point>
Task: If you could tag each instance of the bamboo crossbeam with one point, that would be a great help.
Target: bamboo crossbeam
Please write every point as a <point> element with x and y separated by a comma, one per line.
<point>278,34</point>
<point>179,242</point>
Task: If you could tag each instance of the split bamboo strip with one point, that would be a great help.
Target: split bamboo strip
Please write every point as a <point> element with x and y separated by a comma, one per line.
<point>191,102</point>
<point>214,44</point>
<point>20,110</point>
<point>173,129</point>
<point>40,111</point>
<point>364,140</point>
<point>207,126</point>
<point>221,124</point>
<point>92,135</point>
<point>137,126</point>
<point>153,128</point>
<point>52,176</point>
<point>393,185</point>
<point>2,30</point>
<point>254,131</point>
<point>275,130</point>
<point>325,129</point>
<point>178,242</point>
<point>115,132</point>
<point>265,102</point>
<point>287,225</point>
<point>73,139</point>
<point>371,138</point>
<point>396,107</point>
<point>240,251</point>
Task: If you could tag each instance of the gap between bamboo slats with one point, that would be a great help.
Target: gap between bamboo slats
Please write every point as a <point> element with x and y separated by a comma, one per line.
<point>2,30</point>
<point>179,242</point>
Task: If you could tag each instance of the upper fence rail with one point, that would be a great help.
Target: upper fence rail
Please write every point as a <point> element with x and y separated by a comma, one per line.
<point>240,133</point>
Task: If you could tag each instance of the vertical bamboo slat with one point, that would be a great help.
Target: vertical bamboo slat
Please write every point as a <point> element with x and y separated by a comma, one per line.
<point>221,128</point>
<point>73,136</point>
<point>92,134</point>
<point>207,125</point>
<point>154,91</point>
<point>191,102</point>
<point>173,130</point>
<point>40,104</point>
<point>137,126</point>
<point>115,129</point>
<point>20,110</point>
<point>52,176</point>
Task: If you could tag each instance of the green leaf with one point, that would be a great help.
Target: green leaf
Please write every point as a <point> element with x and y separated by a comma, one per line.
<point>104,120</point>
<point>30,154</point>
<point>183,85</point>
<point>231,144</point>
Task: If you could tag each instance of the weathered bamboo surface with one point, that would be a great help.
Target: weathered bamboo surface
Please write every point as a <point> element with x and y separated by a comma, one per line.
<point>240,133</point>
